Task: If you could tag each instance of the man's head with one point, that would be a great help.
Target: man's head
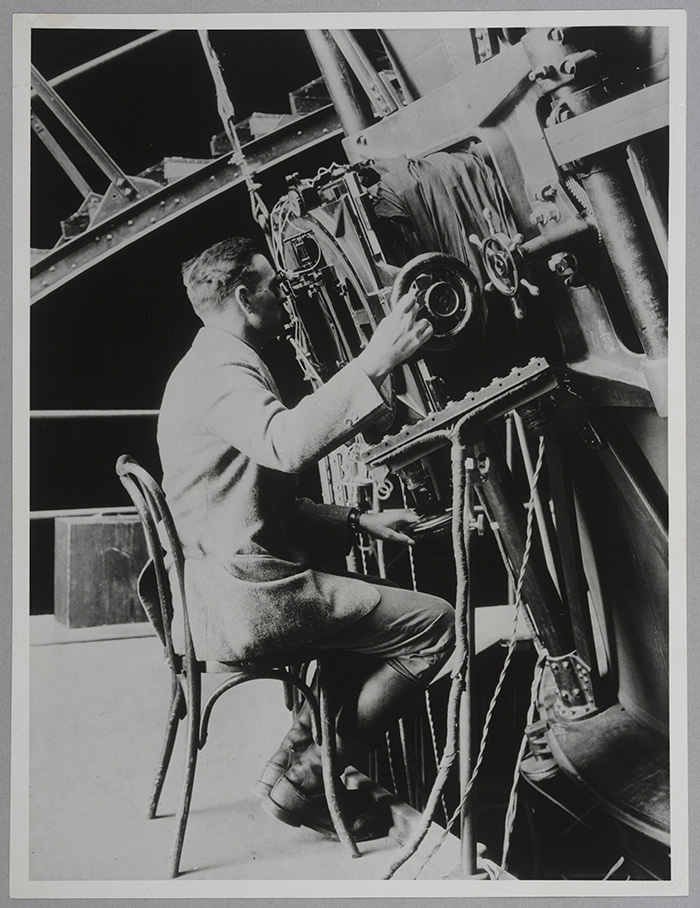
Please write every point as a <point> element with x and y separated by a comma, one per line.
<point>233,285</point>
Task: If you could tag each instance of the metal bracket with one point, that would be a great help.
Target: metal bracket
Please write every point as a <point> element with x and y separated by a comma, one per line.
<point>578,700</point>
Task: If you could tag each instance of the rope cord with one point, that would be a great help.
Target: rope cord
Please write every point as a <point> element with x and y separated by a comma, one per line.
<point>532,629</point>
<point>224,105</point>
<point>428,704</point>
<point>411,559</point>
<point>390,757</point>
<point>506,664</point>
<point>449,755</point>
<point>433,738</point>
<point>513,797</point>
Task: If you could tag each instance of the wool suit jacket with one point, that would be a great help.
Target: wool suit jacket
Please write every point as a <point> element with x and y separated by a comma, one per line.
<point>231,454</point>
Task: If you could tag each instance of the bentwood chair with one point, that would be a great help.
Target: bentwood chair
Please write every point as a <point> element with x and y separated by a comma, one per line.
<point>156,590</point>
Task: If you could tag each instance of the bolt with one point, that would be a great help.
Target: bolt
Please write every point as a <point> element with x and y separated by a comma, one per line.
<point>109,236</point>
<point>570,64</point>
<point>538,217</point>
<point>556,34</point>
<point>544,72</point>
<point>563,263</point>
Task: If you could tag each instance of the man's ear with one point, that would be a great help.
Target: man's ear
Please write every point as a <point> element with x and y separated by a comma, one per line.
<point>242,297</point>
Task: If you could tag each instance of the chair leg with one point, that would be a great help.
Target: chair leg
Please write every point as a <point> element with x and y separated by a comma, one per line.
<point>330,780</point>
<point>177,712</point>
<point>193,740</point>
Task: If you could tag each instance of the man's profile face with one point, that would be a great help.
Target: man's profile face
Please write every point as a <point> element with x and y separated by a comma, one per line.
<point>266,314</point>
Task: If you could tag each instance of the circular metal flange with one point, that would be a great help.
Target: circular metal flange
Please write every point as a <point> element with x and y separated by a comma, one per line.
<point>448,296</point>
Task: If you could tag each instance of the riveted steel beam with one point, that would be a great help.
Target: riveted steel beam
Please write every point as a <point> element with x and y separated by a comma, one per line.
<point>128,225</point>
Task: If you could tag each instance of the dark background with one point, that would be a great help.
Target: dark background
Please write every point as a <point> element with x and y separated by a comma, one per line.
<point>111,336</point>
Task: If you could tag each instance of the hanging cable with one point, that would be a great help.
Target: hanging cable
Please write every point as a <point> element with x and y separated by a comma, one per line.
<point>224,106</point>
<point>390,756</point>
<point>513,797</point>
<point>518,600</point>
<point>461,652</point>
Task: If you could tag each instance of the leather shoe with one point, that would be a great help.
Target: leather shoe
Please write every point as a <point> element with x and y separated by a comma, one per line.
<point>274,769</point>
<point>366,819</point>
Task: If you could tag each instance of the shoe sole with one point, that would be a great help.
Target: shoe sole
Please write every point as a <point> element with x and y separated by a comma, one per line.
<point>292,819</point>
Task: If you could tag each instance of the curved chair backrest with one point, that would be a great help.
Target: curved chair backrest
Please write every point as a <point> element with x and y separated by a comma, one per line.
<point>155,516</point>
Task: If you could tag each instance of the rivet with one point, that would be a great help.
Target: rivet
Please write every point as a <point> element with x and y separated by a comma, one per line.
<point>130,223</point>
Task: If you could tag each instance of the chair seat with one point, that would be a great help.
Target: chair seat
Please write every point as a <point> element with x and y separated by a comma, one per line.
<point>280,659</point>
<point>161,585</point>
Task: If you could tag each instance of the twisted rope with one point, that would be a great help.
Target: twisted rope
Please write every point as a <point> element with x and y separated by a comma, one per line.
<point>405,854</point>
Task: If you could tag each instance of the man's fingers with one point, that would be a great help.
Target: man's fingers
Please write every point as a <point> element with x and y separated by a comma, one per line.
<point>403,538</point>
<point>408,299</point>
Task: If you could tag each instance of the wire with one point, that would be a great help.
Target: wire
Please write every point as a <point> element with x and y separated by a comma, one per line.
<point>506,664</point>
<point>580,819</point>
<point>457,687</point>
<point>513,797</point>
<point>410,550</point>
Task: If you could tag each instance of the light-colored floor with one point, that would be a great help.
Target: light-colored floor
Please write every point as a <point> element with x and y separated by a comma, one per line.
<point>98,703</point>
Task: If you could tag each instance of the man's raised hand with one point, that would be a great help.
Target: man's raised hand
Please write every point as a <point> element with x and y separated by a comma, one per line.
<point>398,336</point>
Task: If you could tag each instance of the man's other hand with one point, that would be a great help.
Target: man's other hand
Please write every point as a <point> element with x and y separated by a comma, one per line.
<point>392,525</point>
<point>398,336</point>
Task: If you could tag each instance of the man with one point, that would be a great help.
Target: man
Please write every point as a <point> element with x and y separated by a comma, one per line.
<point>231,455</point>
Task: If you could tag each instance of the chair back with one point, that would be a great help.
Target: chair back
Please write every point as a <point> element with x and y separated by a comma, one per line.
<point>156,519</point>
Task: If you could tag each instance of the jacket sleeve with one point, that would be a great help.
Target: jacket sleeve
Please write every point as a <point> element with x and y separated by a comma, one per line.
<point>241,408</point>
<point>322,529</point>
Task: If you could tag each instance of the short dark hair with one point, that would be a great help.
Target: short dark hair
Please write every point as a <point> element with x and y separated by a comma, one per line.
<point>211,276</point>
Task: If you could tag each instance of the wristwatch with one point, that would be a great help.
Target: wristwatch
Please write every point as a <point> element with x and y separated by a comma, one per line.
<point>354,521</point>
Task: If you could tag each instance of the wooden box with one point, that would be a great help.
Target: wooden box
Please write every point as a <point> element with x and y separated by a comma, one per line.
<point>97,562</point>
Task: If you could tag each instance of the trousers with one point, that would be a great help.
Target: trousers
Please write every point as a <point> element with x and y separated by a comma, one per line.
<point>413,632</point>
